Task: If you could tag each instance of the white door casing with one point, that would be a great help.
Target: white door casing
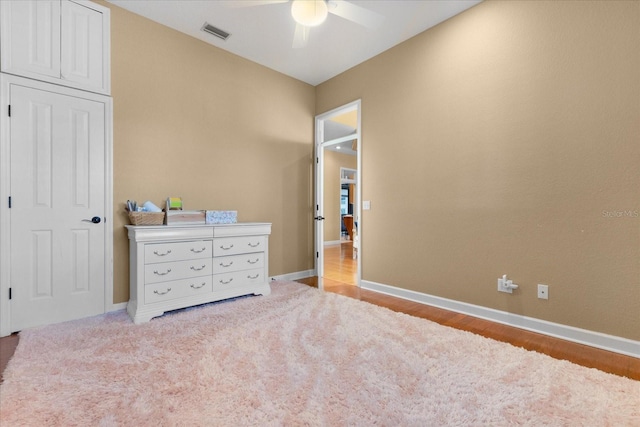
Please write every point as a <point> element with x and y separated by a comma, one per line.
<point>320,145</point>
<point>56,167</point>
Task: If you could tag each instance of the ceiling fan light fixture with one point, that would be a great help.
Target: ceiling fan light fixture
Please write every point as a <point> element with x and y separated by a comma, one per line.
<point>309,13</point>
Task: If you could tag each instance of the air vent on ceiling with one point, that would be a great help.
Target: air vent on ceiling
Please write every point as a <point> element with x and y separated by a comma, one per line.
<point>208,28</point>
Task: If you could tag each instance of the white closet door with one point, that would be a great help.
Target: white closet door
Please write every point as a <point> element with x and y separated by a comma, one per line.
<point>82,46</point>
<point>31,38</point>
<point>57,184</point>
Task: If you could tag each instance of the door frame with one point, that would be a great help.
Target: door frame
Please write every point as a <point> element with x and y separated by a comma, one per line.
<point>320,145</point>
<point>6,81</point>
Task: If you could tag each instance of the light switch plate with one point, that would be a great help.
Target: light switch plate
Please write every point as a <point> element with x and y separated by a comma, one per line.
<point>366,205</point>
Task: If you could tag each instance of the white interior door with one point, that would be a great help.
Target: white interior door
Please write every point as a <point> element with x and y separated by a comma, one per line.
<point>57,146</point>
<point>319,214</point>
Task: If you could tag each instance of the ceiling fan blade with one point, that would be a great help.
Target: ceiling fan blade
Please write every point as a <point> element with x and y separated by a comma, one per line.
<point>251,3</point>
<point>300,36</point>
<point>358,14</point>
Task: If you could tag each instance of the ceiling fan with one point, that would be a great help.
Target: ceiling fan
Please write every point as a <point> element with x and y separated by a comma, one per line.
<point>311,13</point>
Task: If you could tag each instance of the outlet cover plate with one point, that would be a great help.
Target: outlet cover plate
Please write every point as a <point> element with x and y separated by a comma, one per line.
<point>502,286</point>
<point>543,291</point>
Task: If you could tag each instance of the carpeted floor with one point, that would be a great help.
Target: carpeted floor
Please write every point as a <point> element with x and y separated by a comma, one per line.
<point>296,357</point>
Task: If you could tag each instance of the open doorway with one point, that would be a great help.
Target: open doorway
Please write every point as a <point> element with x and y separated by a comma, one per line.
<point>338,188</point>
<point>348,188</point>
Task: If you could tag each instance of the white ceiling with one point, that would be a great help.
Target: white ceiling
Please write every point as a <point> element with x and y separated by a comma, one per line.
<point>264,33</point>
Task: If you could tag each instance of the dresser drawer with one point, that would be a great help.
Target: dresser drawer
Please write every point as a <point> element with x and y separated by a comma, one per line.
<point>165,291</point>
<point>238,278</point>
<point>176,251</point>
<point>228,264</point>
<point>238,245</point>
<point>167,271</point>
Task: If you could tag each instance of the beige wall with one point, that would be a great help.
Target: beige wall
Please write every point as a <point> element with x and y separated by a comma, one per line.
<point>507,141</point>
<point>333,161</point>
<point>513,129</point>
<point>221,132</point>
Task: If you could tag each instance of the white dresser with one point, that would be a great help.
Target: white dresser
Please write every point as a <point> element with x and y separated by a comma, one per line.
<point>177,266</point>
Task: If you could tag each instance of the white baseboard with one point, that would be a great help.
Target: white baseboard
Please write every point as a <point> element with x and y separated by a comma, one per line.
<point>582,336</point>
<point>332,242</point>
<point>295,276</point>
<point>118,306</point>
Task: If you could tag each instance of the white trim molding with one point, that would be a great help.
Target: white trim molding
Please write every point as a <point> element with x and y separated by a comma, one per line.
<point>569,333</point>
<point>294,276</point>
<point>118,307</point>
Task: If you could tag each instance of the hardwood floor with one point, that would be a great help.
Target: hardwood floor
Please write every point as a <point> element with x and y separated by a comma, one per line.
<point>7,348</point>
<point>339,264</point>
<point>340,277</point>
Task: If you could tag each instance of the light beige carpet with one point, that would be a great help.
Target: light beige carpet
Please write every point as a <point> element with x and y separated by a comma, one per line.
<point>296,357</point>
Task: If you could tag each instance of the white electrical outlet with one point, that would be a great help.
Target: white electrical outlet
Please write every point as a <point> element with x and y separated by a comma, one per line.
<point>543,291</point>
<point>506,285</point>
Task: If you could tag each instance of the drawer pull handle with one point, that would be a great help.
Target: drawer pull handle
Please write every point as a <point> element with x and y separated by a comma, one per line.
<point>162,274</point>
<point>254,245</point>
<point>198,269</point>
<point>227,282</point>
<point>225,248</point>
<point>195,251</point>
<point>164,254</point>
<point>222,264</point>
<point>253,277</point>
<point>162,293</point>
<point>253,262</point>
<point>198,287</point>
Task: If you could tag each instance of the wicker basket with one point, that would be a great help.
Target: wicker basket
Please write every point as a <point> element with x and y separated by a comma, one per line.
<point>146,218</point>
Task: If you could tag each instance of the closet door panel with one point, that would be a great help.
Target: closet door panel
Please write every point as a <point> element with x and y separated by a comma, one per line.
<point>31,38</point>
<point>82,46</point>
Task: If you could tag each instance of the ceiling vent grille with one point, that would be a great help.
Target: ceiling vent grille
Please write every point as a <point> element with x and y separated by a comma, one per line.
<point>221,34</point>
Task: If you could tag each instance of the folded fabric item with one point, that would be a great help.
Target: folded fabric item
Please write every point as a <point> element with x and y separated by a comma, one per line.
<point>222,217</point>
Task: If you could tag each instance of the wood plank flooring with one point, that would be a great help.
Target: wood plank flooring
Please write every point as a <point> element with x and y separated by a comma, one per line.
<point>340,277</point>
<point>7,348</point>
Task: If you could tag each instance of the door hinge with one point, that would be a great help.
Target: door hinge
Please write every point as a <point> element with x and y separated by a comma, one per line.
<point>9,110</point>
<point>9,202</point>
<point>317,256</point>
<point>10,293</point>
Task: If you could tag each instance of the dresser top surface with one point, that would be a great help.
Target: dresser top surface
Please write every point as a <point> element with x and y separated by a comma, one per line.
<point>179,226</point>
<point>155,233</point>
